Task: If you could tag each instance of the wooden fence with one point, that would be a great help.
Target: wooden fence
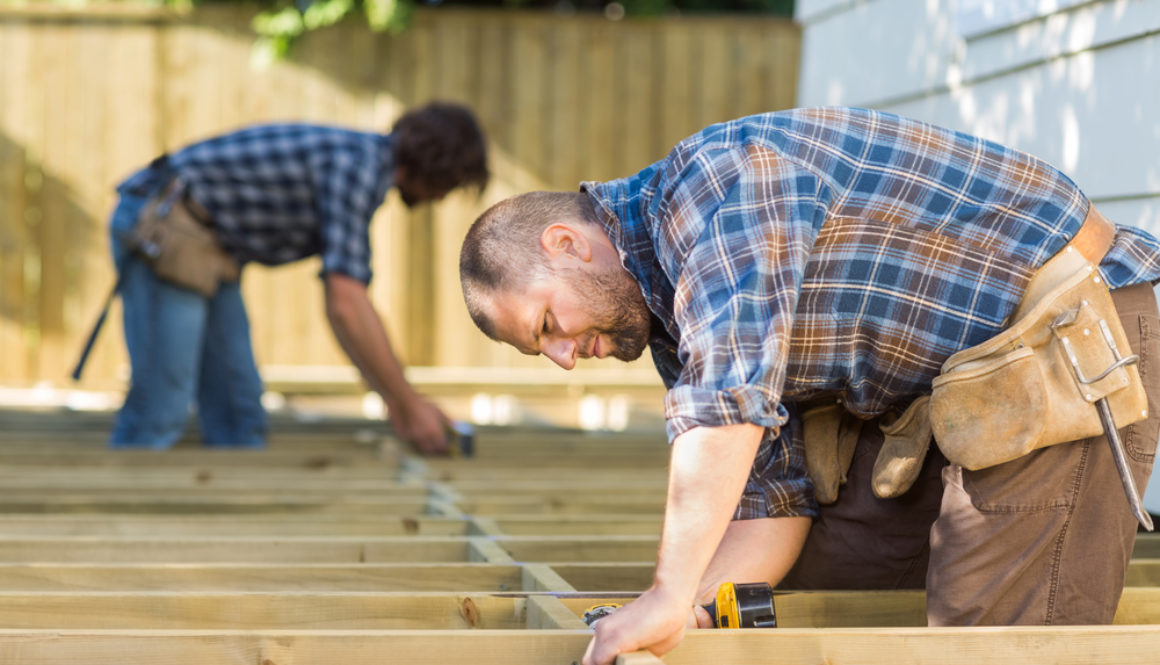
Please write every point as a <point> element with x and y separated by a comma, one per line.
<point>88,95</point>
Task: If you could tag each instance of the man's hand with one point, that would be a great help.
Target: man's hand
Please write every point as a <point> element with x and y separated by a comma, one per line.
<point>361,334</point>
<point>707,472</point>
<point>421,424</point>
<point>655,621</point>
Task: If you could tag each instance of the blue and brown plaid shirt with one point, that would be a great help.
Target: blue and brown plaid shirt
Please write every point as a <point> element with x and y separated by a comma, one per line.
<point>282,192</point>
<point>832,252</point>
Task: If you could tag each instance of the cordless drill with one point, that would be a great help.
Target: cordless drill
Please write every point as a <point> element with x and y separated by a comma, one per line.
<point>736,606</point>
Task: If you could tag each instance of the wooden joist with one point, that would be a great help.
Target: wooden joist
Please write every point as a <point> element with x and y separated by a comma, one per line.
<point>210,525</point>
<point>1073,645</point>
<point>425,610</point>
<point>336,545</point>
<point>201,576</point>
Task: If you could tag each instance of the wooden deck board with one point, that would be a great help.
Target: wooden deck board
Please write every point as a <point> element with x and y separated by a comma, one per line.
<point>1077,645</point>
<point>335,545</point>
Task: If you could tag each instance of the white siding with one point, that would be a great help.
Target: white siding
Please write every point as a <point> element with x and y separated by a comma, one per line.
<point>1075,83</point>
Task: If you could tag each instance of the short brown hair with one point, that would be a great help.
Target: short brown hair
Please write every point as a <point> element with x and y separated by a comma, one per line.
<point>442,145</point>
<point>502,248</point>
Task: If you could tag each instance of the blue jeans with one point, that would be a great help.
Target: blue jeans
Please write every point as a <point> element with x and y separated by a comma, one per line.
<point>184,350</point>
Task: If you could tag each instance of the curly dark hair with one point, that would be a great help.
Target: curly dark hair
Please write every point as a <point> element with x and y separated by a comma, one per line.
<point>442,145</point>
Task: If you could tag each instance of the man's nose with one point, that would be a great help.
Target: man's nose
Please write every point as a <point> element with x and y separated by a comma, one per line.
<point>561,351</point>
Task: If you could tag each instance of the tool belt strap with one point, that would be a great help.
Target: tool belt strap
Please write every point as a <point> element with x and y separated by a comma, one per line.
<point>1090,244</point>
<point>1094,238</point>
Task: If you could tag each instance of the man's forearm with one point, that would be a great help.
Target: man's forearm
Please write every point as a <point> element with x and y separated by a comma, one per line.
<point>708,471</point>
<point>361,334</point>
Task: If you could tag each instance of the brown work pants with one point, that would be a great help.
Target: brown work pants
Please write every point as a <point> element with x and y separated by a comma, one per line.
<point>1043,539</point>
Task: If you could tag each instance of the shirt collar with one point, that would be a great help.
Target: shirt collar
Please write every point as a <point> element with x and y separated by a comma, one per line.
<point>621,207</point>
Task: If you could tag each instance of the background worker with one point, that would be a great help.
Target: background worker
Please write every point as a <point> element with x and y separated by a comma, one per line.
<point>273,194</point>
<point>828,256</point>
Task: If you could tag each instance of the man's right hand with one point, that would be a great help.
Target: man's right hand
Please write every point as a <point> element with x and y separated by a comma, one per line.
<point>361,334</point>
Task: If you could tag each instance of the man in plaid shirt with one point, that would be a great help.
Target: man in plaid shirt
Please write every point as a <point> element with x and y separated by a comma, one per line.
<point>273,194</point>
<point>831,256</point>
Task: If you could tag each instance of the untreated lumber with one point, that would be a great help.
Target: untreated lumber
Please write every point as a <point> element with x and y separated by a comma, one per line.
<point>212,503</point>
<point>541,577</point>
<point>1062,645</point>
<point>271,577</point>
<point>1143,572</point>
<point>369,610</point>
<point>208,525</point>
<point>1147,546</point>
<point>201,479</point>
<point>236,550</point>
<point>500,503</point>
<point>321,460</point>
<point>850,609</point>
<point>605,576</point>
<point>638,658</point>
<point>580,548</point>
<point>330,547</point>
<point>547,612</point>
<point>590,524</point>
<point>206,610</point>
<point>192,495</point>
<point>596,576</point>
<point>484,471</point>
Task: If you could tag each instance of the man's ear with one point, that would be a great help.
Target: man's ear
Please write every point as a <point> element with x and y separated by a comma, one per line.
<point>565,240</point>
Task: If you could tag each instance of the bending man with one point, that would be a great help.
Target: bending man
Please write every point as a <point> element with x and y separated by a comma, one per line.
<point>272,194</point>
<point>830,259</point>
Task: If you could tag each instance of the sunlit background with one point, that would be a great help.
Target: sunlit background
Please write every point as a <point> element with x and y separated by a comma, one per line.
<point>567,91</point>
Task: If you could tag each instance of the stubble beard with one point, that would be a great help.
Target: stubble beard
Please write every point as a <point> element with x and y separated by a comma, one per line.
<point>615,301</point>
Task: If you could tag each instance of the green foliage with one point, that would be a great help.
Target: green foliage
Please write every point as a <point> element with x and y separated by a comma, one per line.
<point>279,23</point>
<point>277,28</point>
<point>640,7</point>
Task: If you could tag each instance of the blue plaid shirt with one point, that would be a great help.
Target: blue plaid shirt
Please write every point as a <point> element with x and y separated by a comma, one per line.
<point>832,252</point>
<point>282,192</point>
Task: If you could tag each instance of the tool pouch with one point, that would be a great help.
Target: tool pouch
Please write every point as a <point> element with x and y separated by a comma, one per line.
<point>1035,384</point>
<point>905,441</point>
<point>830,435</point>
<point>181,249</point>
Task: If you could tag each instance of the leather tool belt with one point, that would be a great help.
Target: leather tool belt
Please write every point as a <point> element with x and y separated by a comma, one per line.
<point>173,234</point>
<point>1059,373</point>
<point>1038,382</point>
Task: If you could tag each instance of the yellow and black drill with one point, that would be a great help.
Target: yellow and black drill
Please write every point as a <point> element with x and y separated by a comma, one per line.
<point>736,606</point>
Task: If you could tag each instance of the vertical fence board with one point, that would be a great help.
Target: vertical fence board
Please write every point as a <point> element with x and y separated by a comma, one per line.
<point>15,294</point>
<point>678,82</point>
<point>640,116</point>
<point>600,105</point>
<point>93,274</point>
<point>564,113</point>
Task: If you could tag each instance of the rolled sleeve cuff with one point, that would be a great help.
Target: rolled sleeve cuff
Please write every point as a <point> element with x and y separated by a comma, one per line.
<point>791,497</point>
<point>356,272</point>
<point>687,407</point>
<point>779,484</point>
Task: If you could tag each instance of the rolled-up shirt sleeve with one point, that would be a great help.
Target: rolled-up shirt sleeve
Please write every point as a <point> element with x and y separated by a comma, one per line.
<point>740,237</point>
<point>740,231</point>
<point>779,484</point>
